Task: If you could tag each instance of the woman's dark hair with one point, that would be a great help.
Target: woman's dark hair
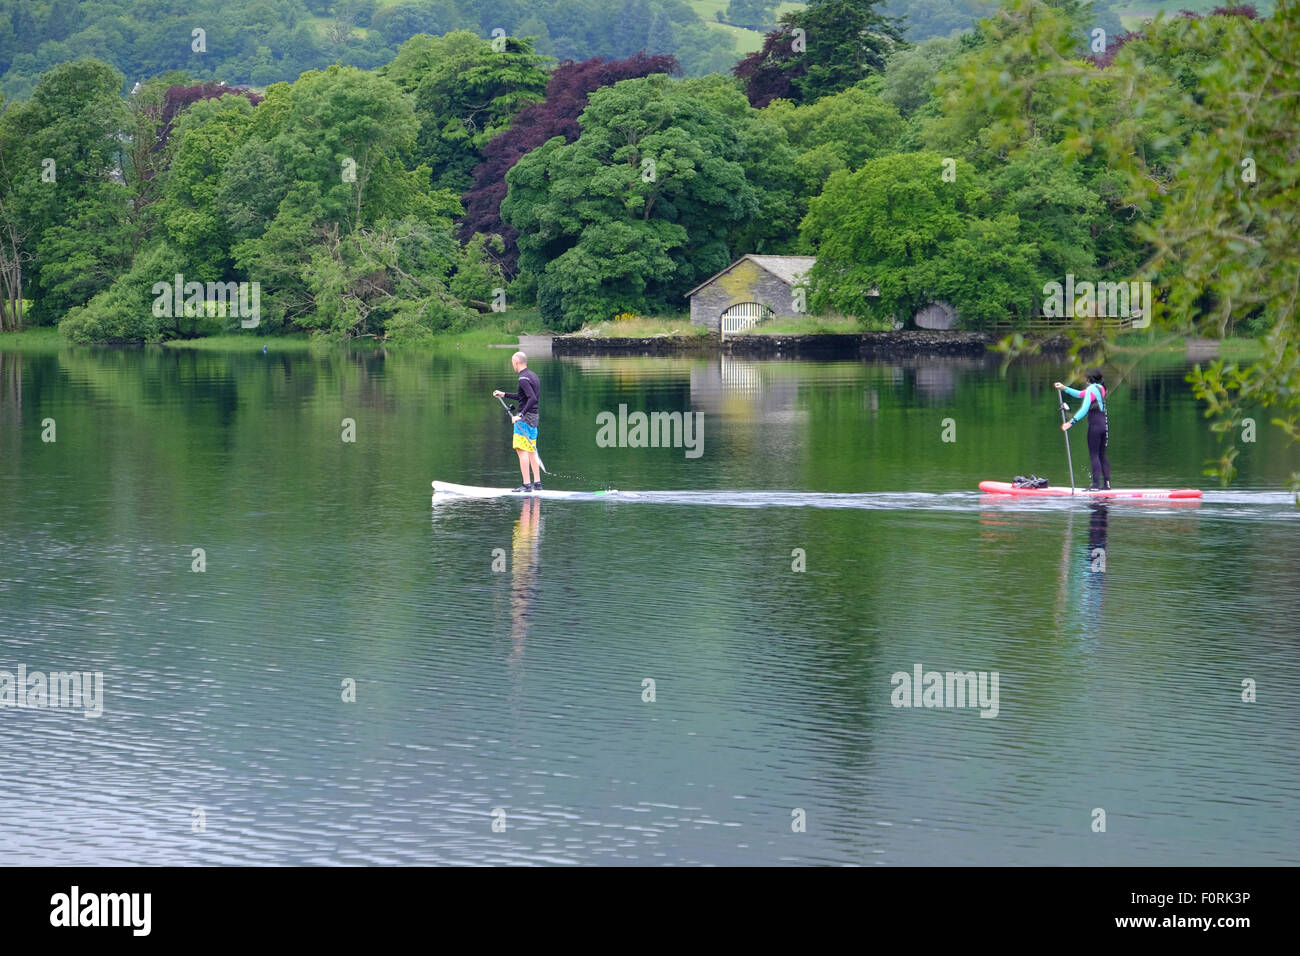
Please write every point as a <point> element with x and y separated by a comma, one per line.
<point>1094,375</point>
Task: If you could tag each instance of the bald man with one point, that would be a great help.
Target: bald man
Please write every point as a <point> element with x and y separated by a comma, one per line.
<point>525,421</point>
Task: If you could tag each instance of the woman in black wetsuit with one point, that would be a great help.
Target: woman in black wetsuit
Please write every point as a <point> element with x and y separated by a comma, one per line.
<point>1094,406</point>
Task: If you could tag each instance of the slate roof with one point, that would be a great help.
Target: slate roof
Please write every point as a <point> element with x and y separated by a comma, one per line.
<point>789,269</point>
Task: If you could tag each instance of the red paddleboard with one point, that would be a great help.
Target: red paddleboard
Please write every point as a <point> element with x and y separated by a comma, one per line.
<point>1006,488</point>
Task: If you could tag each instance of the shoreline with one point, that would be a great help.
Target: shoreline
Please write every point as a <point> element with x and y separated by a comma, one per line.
<point>828,345</point>
<point>855,345</point>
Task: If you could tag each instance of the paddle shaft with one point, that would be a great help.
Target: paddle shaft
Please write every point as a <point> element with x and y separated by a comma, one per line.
<point>507,408</point>
<point>1060,400</point>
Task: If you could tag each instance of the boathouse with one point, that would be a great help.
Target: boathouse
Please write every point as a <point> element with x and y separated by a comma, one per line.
<point>754,288</point>
<point>751,289</point>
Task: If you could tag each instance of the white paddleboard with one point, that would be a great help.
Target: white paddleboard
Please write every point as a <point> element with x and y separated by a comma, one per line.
<point>475,491</point>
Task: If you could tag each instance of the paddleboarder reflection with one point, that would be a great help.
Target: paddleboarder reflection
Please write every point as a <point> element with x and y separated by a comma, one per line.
<point>1088,601</point>
<point>1097,542</point>
<point>523,575</point>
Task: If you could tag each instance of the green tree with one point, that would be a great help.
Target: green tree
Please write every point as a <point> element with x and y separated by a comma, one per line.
<point>1059,213</point>
<point>123,312</point>
<point>205,138</point>
<point>465,94</point>
<point>822,48</point>
<point>1020,103</point>
<point>910,73</point>
<point>897,235</point>
<point>654,195</point>
<point>16,225</point>
<point>1023,81</point>
<point>312,194</point>
<point>841,131</point>
<point>752,14</point>
<point>926,19</point>
<point>1225,250</point>
<point>389,279</point>
<point>64,187</point>
<point>478,273</point>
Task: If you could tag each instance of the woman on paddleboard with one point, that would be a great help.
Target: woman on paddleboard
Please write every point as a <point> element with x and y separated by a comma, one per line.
<point>1094,407</point>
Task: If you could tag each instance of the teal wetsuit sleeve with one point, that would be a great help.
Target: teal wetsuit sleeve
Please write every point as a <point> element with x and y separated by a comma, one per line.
<point>1087,404</point>
<point>1072,392</point>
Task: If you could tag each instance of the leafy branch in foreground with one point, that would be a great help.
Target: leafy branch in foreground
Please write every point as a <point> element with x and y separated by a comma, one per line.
<point>1226,244</point>
<point>1200,119</point>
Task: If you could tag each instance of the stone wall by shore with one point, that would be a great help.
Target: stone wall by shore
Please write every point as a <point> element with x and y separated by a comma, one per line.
<point>654,345</point>
<point>857,344</point>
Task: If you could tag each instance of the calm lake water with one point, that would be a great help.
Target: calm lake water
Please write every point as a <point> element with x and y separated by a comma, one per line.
<point>826,539</point>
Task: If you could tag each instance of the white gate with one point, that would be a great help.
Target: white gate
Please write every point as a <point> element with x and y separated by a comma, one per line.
<point>743,316</point>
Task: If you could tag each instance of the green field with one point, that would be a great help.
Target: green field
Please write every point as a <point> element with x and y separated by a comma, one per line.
<point>1133,15</point>
<point>744,41</point>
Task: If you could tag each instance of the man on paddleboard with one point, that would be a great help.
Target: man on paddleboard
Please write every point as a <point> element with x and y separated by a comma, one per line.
<point>525,421</point>
<point>1094,406</point>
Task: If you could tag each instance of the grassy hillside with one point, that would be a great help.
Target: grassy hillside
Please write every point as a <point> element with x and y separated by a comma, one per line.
<point>1132,14</point>
<point>745,41</point>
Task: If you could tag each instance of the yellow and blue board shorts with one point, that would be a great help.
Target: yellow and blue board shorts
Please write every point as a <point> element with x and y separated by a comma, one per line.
<point>525,436</point>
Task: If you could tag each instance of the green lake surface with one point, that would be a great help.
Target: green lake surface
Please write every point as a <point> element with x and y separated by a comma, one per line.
<point>826,539</point>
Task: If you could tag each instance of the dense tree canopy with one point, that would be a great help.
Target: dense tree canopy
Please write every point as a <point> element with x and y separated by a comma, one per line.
<point>64,204</point>
<point>259,42</point>
<point>557,115</point>
<point>840,131</point>
<point>465,92</point>
<point>897,235</point>
<point>663,186</point>
<point>821,49</point>
<point>1225,244</point>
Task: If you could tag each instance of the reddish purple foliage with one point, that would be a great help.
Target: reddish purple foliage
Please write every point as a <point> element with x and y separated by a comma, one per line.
<point>1113,45</point>
<point>768,73</point>
<point>179,98</point>
<point>557,115</point>
<point>1236,10</point>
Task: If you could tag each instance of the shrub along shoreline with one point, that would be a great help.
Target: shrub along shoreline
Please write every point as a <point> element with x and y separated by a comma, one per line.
<point>677,339</point>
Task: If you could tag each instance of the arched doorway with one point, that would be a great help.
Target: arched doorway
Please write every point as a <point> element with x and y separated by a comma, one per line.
<point>743,316</point>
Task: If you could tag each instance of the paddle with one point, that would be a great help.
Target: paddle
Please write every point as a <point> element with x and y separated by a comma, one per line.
<point>512,415</point>
<point>1064,408</point>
